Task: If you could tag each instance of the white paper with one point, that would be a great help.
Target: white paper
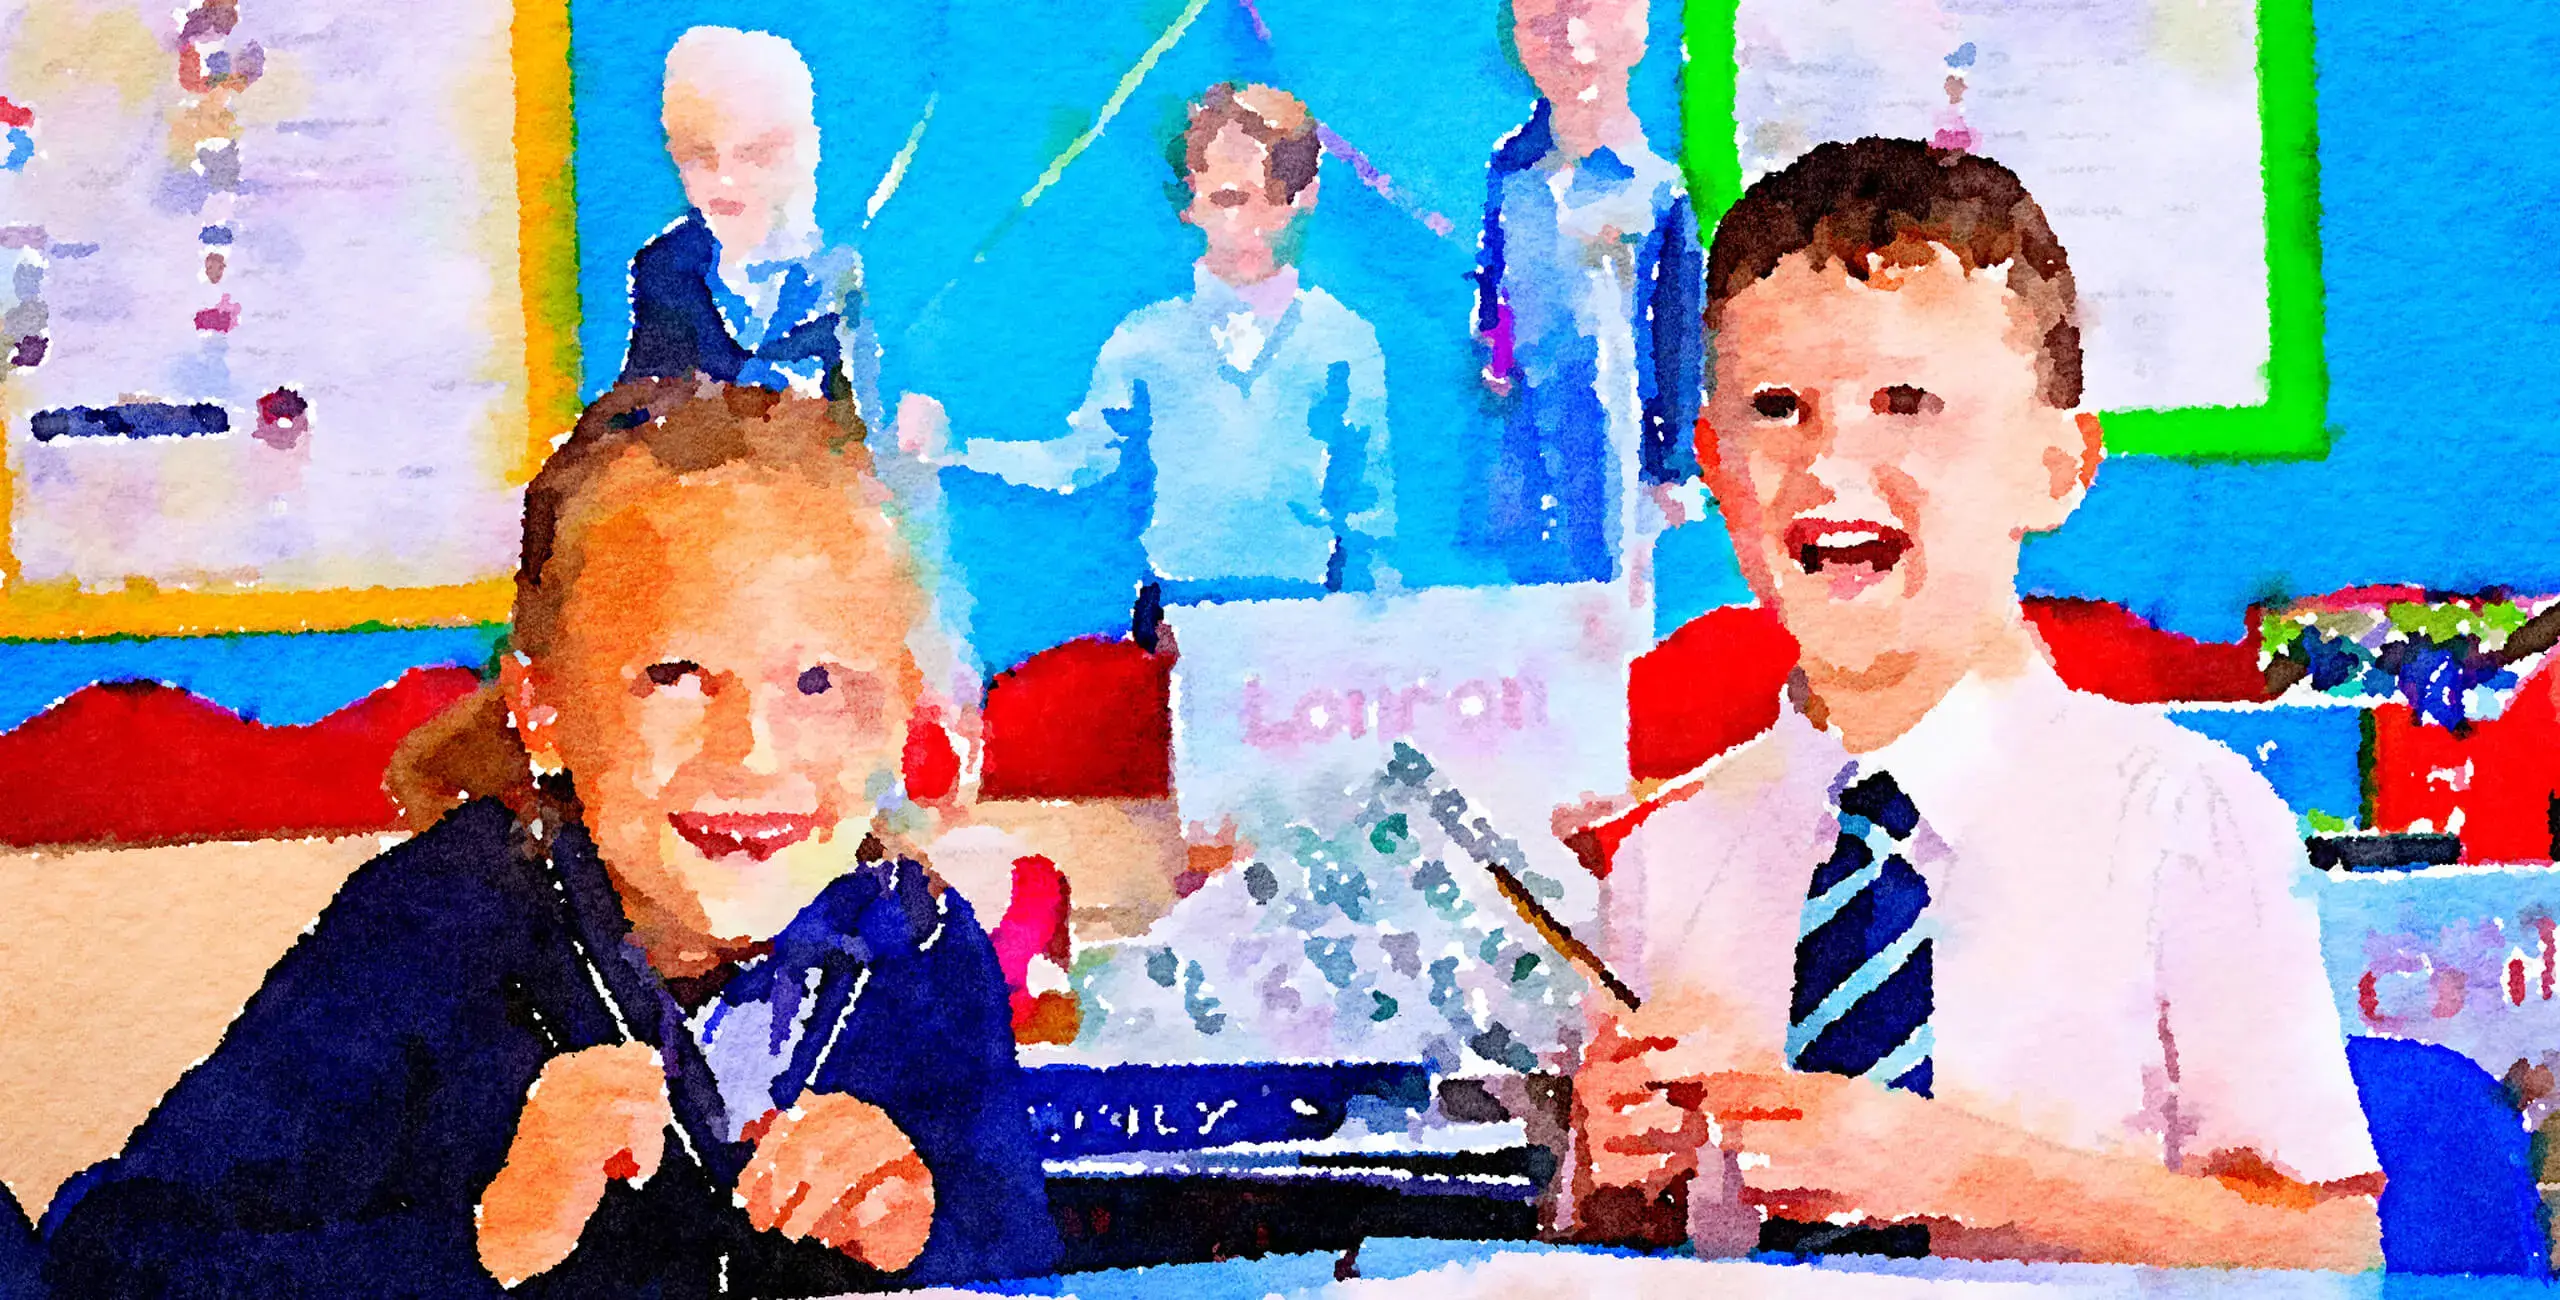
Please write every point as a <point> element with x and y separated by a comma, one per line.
<point>371,255</point>
<point>1518,694</point>
<point>2133,122</point>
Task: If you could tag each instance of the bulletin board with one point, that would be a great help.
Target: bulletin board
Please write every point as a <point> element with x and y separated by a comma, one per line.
<point>2173,146</point>
<point>287,309</point>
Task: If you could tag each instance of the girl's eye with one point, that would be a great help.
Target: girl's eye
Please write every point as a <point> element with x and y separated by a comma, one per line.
<point>1776,403</point>
<point>815,681</point>
<point>671,671</point>
<point>1906,399</point>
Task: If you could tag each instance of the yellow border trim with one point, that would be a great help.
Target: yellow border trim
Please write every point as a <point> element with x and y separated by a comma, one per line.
<point>547,264</point>
<point>547,224</point>
<point>59,613</point>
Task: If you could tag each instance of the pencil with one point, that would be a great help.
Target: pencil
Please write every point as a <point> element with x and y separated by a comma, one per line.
<point>1559,937</point>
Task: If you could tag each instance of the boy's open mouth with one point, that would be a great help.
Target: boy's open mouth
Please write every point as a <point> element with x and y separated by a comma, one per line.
<point>1851,552</point>
<point>758,835</point>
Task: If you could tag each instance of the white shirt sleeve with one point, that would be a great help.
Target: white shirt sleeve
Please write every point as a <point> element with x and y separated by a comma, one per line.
<point>2251,1025</point>
<point>1090,450</point>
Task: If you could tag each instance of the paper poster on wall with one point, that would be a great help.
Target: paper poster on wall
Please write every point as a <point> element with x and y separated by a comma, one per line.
<point>1518,695</point>
<point>2464,956</point>
<point>262,324</point>
<point>2135,123</point>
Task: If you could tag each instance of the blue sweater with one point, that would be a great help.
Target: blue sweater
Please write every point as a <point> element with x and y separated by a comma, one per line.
<point>337,1141</point>
<point>677,329</point>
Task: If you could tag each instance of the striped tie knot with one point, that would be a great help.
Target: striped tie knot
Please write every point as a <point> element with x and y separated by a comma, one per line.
<point>1864,986</point>
<point>1878,800</point>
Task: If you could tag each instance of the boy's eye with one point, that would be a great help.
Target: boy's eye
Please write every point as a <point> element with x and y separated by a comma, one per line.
<point>1905,399</point>
<point>1776,403</point>
<point>765,150</point>
<point>815,681</point>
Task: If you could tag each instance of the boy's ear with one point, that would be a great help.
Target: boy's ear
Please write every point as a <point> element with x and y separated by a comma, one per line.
<point>1702,437</point>
<point>2072,463</point>
<point>1703,443</point>
<point>534,721</point>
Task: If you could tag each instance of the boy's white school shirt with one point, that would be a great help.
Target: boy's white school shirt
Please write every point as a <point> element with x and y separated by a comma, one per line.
<point>2127,957</point>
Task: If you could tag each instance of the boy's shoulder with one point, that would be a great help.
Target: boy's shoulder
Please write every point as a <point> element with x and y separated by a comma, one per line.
<point>1321,309</point>
<point>2152,750</point>
<point>1158,327</point>
<point>1734,785</point>
<point>685,244</point>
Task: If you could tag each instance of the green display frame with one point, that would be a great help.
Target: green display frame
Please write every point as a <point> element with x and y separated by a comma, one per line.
<point>2292,424</point>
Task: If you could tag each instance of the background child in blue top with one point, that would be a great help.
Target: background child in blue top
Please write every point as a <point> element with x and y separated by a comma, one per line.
<point>1253,413</point>
<point>1588,284</point>
<point>744,288</point>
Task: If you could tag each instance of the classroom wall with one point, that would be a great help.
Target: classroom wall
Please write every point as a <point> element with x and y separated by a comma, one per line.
<point>2439,332</point>
<point>2437,193</point>
<point>999,310</point>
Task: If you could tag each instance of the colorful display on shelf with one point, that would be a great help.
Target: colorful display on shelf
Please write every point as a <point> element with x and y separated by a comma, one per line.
<point>2453,660</point>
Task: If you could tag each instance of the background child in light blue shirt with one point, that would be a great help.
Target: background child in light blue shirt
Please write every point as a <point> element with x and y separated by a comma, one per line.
<point>1252,411</point>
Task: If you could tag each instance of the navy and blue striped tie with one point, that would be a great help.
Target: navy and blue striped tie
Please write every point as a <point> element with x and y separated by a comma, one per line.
<point>1864,989</point>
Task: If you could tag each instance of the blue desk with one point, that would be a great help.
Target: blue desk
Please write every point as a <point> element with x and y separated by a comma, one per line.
<point>1454,1270</point>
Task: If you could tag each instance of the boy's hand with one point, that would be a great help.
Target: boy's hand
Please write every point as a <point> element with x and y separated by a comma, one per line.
<point>837,1168</point>
<point>1635,1134</point>
<point>1567,820</point>
<point>592,1115</point>
<point>1814,1145</point>
<point>1635,1096</point>
<point>924,428</point>
<point>1678,502</point>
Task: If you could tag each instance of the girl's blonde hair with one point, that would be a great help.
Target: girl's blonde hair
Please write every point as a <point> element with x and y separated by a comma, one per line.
<point>635,437</point>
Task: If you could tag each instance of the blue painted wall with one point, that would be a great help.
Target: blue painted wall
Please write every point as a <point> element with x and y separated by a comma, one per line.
<point>1008,341</point>
<point>2441,330</point>
<point>2437,194</point>
<point>2312,755</point>
<point>283,679</point>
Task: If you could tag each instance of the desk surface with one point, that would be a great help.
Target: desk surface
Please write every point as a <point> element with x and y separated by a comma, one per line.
<point>1458,1270</point>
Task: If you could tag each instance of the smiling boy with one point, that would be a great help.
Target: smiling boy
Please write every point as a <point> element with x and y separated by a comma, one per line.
<point>1952,947</point>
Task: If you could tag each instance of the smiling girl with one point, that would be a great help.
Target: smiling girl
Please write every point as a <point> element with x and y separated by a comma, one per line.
<point>679,1014</point>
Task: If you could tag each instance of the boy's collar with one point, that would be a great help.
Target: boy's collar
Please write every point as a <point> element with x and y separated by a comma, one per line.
<point>800,241</point>
<point>1278,290</point>
<point>1534,142</point>
<point>1953,747</point>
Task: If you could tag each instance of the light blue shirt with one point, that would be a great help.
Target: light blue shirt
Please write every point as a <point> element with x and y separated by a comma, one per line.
<point>1589,280</point>
<point>1265,436</point>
